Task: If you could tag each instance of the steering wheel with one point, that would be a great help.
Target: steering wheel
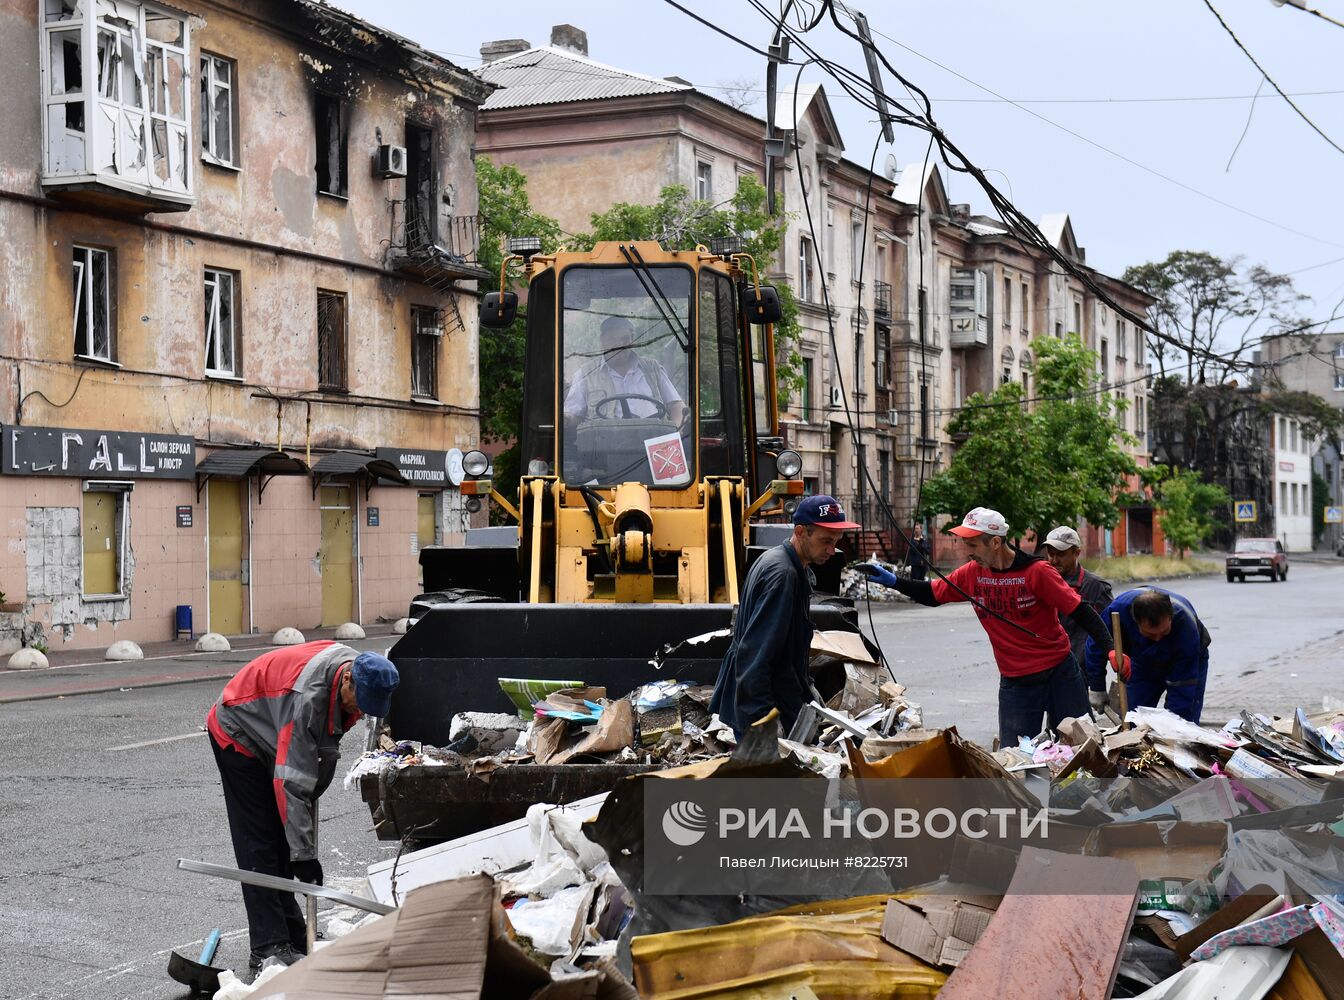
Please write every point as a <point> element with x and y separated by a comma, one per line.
<point>659,413</point>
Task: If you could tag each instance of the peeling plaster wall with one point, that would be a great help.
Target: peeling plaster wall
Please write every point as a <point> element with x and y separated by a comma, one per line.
<point>271,201</point>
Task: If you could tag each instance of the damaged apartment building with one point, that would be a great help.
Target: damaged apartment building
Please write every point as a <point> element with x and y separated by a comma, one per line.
<point>239,366</point>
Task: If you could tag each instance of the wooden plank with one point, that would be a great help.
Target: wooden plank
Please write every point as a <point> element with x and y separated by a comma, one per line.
<point>1055,935</point>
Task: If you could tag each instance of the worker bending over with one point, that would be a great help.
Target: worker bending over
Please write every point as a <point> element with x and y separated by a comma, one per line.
<point>276,733</point>
<point>1018,598</point>
<point>766,663</point>
<point>1169,648</point>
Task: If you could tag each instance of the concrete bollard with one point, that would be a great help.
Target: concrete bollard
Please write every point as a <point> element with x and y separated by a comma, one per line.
<point>401,626</point>
<point>350,630</point>
<point>28,659</point>
<point>123,649</point>
<point>287,637</point>
<point>212,642</point>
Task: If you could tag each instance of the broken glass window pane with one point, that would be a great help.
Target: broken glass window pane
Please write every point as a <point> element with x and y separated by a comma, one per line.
<point>154,76</point>
<point>223,72</point>
<point>106,139</point>
<point>67,71</point>
<point>211,298</point>
<point>222,126</point>
<point>63,10</point>
<point>74,116</point>
<point>98,300</point>
<point>178,161</point>
<point>225,285</point>
<point>164,28</point>
<point>159,142</point>
<point>108,76</point>
<point>131,80</point>
<point>177,86</point>
<point>81,324</point>
<point>133,142</point>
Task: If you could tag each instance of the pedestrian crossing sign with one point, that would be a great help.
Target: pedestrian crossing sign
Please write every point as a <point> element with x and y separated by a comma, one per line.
<point>1245,510</point>
<point>1334,515</point>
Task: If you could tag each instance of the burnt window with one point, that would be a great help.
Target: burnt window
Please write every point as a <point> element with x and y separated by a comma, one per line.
<point>425,334</point>
<point>331,342</point>
<point>421,182</point>
<point>332,127</point>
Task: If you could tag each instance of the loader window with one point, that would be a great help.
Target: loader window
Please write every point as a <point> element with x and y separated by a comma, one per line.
<point>722,422</point>
<point>626,356</point>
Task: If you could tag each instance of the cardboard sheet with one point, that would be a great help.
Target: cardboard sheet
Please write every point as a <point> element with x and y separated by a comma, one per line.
<point>939,930</point>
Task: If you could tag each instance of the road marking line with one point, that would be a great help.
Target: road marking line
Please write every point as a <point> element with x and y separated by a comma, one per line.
<point>150,743</point>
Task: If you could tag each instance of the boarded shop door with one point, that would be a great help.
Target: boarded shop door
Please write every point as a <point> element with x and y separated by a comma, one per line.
<point>336,555</point>
<point>101,543</point>
<point>225,555</point>
<point>424,523</point>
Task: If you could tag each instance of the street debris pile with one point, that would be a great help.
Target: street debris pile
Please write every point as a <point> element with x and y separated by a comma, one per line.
<point>859,586</point>
<point>1174,860</point>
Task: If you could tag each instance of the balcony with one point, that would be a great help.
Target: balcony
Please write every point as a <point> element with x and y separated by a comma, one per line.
<point>115,111</point>
<point>437,253</point>
<point>882,301</point>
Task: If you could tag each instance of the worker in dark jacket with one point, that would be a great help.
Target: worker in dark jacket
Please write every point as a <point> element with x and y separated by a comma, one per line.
<point>1168,646</point>
<point>1062,548</point>
<point>766,664</point>
<point>276,733</point>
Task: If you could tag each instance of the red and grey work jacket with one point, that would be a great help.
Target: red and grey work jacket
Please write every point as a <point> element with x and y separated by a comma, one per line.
<point>284,708</point>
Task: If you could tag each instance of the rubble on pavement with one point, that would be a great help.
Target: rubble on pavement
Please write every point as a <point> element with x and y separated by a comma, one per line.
<point>1230,839</point>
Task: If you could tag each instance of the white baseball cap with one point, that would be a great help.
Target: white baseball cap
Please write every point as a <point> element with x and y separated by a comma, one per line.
<point>1063,538</point>
<point>982,521</point>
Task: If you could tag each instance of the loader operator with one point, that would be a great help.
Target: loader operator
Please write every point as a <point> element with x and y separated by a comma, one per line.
<point>1170,649</point>
<point>766,663</point>
<point>1038,675</point>
<point>638,387</point>
<point>276,733</point>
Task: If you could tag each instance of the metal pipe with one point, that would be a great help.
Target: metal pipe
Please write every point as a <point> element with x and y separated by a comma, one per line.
<point>283,885</point>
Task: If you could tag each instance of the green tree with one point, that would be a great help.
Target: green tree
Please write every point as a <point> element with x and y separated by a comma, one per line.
<point>678,221</point>
<point>1320,499</point>
<point>505,211</point>
<point>1186,509</point>
<point>1042,463</point>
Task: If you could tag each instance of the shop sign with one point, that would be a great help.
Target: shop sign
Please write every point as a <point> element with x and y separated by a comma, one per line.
<point>67,451</point>
<point>184,515</point>
<point>418,466</point>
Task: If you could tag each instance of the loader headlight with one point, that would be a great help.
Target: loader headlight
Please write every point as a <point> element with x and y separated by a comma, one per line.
<point>475,464</point>
<point>789,464</point>
<point>473,504</point>
<point>790,506</point>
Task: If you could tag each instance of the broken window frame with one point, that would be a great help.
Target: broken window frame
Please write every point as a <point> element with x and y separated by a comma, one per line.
<point>110,138</point>
<point>84,314</point>
<point>211,89</point>
<point>332,324</point>
<point>221,328</point>
<point>331,120</point>
<point>426,332</point>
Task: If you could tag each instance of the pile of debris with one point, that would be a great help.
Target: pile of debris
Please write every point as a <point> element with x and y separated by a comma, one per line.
<point>859,586</point>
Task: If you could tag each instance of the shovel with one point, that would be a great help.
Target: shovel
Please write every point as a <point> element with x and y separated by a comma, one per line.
<point>201,976</point>
<point>1118,635</point>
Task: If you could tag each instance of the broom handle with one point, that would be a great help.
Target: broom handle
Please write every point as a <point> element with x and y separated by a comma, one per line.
<point>1118,635</point>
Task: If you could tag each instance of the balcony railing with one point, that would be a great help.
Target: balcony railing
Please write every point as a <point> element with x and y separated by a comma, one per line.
<point>444,252</point>
<point>882,300</point>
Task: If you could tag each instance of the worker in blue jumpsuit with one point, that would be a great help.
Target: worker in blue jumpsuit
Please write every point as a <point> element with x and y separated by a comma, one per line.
<point>1168,649</point>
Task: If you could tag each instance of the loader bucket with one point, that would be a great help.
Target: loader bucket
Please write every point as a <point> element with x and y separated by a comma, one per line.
<point>452,658</point>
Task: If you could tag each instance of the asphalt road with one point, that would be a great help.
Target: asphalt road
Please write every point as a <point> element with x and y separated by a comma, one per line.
<point>101,793</point>
<point>1275,646</point>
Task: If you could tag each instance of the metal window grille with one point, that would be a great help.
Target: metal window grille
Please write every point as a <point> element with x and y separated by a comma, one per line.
<point>425,352</point>
<point>331,370</point>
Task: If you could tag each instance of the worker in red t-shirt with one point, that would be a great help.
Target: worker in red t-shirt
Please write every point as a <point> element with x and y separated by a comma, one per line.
<point>1018,598</point>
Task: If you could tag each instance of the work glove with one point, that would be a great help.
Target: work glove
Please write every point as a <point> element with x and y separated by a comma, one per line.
<point>1120,663</point>
<point>309,870</point>
<point>1097,699</point>
<point>877,574</point>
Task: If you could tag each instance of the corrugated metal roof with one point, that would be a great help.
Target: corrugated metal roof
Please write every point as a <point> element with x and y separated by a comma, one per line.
<point>242,462</point>
<point>350,463</point>
<point>555,76</point>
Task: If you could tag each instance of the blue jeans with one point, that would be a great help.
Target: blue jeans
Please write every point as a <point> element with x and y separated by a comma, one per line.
<point>1056,694</point>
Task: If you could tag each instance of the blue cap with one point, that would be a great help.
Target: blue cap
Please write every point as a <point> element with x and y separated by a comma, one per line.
<point>375,680</point>
<point>825,511</point>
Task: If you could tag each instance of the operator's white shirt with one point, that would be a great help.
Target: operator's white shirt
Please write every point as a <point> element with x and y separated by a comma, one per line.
<point>632,382</point>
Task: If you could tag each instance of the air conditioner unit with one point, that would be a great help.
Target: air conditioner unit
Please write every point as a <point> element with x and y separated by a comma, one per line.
<point>893,417</point>
<point>391,161</point>
<point>837,398</point>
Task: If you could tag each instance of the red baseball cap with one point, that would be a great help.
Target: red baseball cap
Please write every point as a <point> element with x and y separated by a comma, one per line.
<point>982,521</point>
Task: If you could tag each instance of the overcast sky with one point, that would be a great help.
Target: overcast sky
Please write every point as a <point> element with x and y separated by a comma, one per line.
<point>1156,82</point>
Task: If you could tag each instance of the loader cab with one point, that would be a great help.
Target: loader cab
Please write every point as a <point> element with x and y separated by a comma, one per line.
<point>640,369</point>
